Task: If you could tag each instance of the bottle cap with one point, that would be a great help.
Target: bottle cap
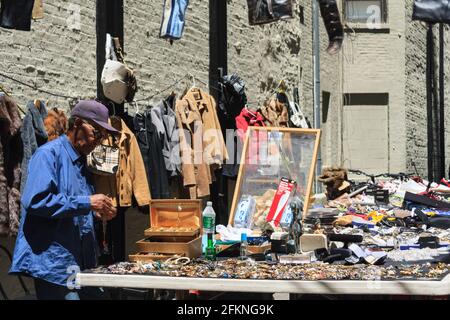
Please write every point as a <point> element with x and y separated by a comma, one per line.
<point>209,203</point>
<point>243,237</point>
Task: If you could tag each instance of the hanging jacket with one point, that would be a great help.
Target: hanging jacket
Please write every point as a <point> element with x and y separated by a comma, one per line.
<point>215,151</point>
<point>33,135</point>
<point>151,150</point>
<point>16,14</point>
<point>11,153</point>
<point>164,118</point>
<point>432,11</point>
<point>232,99</point>
<point>172,24</point>
<point>55,123</point>
<point>38,10</point>
<point>267,11</point>
<point>130,179</point>
<point>248,118</point>
<point>202,146</point>
<point>275,113</point>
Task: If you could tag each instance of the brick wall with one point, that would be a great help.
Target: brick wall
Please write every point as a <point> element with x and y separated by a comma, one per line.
<point>52,55</point>
<point>158,63</point>
<point>415,93</point>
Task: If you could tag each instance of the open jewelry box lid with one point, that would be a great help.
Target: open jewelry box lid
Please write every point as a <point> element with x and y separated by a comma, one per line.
<point>175,217</point>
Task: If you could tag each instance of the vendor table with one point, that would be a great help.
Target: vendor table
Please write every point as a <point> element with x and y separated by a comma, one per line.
<point>328,287</point>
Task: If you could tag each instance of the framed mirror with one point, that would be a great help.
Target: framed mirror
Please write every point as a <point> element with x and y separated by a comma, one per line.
<point>270,154</point>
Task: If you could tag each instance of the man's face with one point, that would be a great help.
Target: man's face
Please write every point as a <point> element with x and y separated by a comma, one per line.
<point>88,135</point>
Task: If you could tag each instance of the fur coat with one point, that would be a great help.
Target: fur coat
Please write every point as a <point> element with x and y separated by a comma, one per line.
<point>55,123</point>
<point>11,152</point>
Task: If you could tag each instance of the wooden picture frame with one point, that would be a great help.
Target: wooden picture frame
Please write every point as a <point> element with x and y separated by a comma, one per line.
<point>311,141</point>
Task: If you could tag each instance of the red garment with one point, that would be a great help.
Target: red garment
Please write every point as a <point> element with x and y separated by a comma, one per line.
<point>251,119</point>
<point>248,118</point>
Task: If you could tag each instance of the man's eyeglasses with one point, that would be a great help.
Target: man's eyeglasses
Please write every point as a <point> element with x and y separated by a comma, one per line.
<point>98,134</point>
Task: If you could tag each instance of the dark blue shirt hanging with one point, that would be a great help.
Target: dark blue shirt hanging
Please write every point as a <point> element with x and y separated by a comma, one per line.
<point>16,14</point>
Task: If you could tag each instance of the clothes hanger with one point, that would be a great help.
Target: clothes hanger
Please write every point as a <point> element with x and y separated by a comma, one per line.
<point>249,111</point>
<point>113,116</point>
<point>186,88</point>
<point>37,104</point>
<point>194,86</point>
<point>4,91</point>
<point>136,108</point>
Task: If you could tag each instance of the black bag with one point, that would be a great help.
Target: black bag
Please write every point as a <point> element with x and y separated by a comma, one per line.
<point>433,11</point>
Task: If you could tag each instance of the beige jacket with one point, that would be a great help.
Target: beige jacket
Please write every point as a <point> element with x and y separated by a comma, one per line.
<point>131,178</point>
<point>202,146</point>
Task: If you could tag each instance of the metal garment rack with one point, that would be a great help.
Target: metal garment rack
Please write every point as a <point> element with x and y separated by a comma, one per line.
<point>22,283</point>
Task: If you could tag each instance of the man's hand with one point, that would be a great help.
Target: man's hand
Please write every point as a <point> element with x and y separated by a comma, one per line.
<point>103,207</point>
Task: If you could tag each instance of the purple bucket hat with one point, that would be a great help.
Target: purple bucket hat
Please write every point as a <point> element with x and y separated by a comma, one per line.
<point>94,111</point>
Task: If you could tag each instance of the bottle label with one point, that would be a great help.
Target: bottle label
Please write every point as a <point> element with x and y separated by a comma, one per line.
<point>208,223</point>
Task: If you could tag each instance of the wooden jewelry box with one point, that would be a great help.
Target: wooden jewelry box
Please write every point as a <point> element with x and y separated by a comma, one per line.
<point>175,229</point>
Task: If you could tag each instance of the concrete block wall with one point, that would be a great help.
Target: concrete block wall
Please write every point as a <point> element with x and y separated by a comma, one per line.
<point>53,55</point>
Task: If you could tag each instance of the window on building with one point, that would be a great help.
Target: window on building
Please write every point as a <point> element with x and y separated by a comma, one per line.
<point>365,11</point>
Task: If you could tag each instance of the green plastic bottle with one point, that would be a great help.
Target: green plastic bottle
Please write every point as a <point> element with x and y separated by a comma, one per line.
<point>210,251</point>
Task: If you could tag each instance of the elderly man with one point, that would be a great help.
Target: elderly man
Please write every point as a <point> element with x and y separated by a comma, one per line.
<point>56,236</point>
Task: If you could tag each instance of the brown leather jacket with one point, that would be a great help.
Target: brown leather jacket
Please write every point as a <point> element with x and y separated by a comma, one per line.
<point>131,178</point>
<point>202,146</point>
<point>275,113</point>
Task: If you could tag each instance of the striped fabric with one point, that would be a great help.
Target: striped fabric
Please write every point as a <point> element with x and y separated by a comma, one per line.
<point>173,19</point>
<point>104,160</point>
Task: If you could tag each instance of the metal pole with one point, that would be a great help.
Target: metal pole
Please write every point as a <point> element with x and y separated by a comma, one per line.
<point>429,77</point>
<point>316,63</point>
<point>441,115</point>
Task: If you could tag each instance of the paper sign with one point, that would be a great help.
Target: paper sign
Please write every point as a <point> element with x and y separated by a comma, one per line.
<point>280,201</point>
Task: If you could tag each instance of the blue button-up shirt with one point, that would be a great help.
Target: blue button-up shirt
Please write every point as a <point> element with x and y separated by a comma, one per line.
<point>56,234</point>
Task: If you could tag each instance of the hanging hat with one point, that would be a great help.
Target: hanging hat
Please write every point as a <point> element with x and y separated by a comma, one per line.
<point>114,81</point>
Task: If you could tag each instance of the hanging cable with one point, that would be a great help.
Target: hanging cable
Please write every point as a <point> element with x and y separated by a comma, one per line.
<point>36,88</point>
<point>161,91</point>
<point>172,86</point>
